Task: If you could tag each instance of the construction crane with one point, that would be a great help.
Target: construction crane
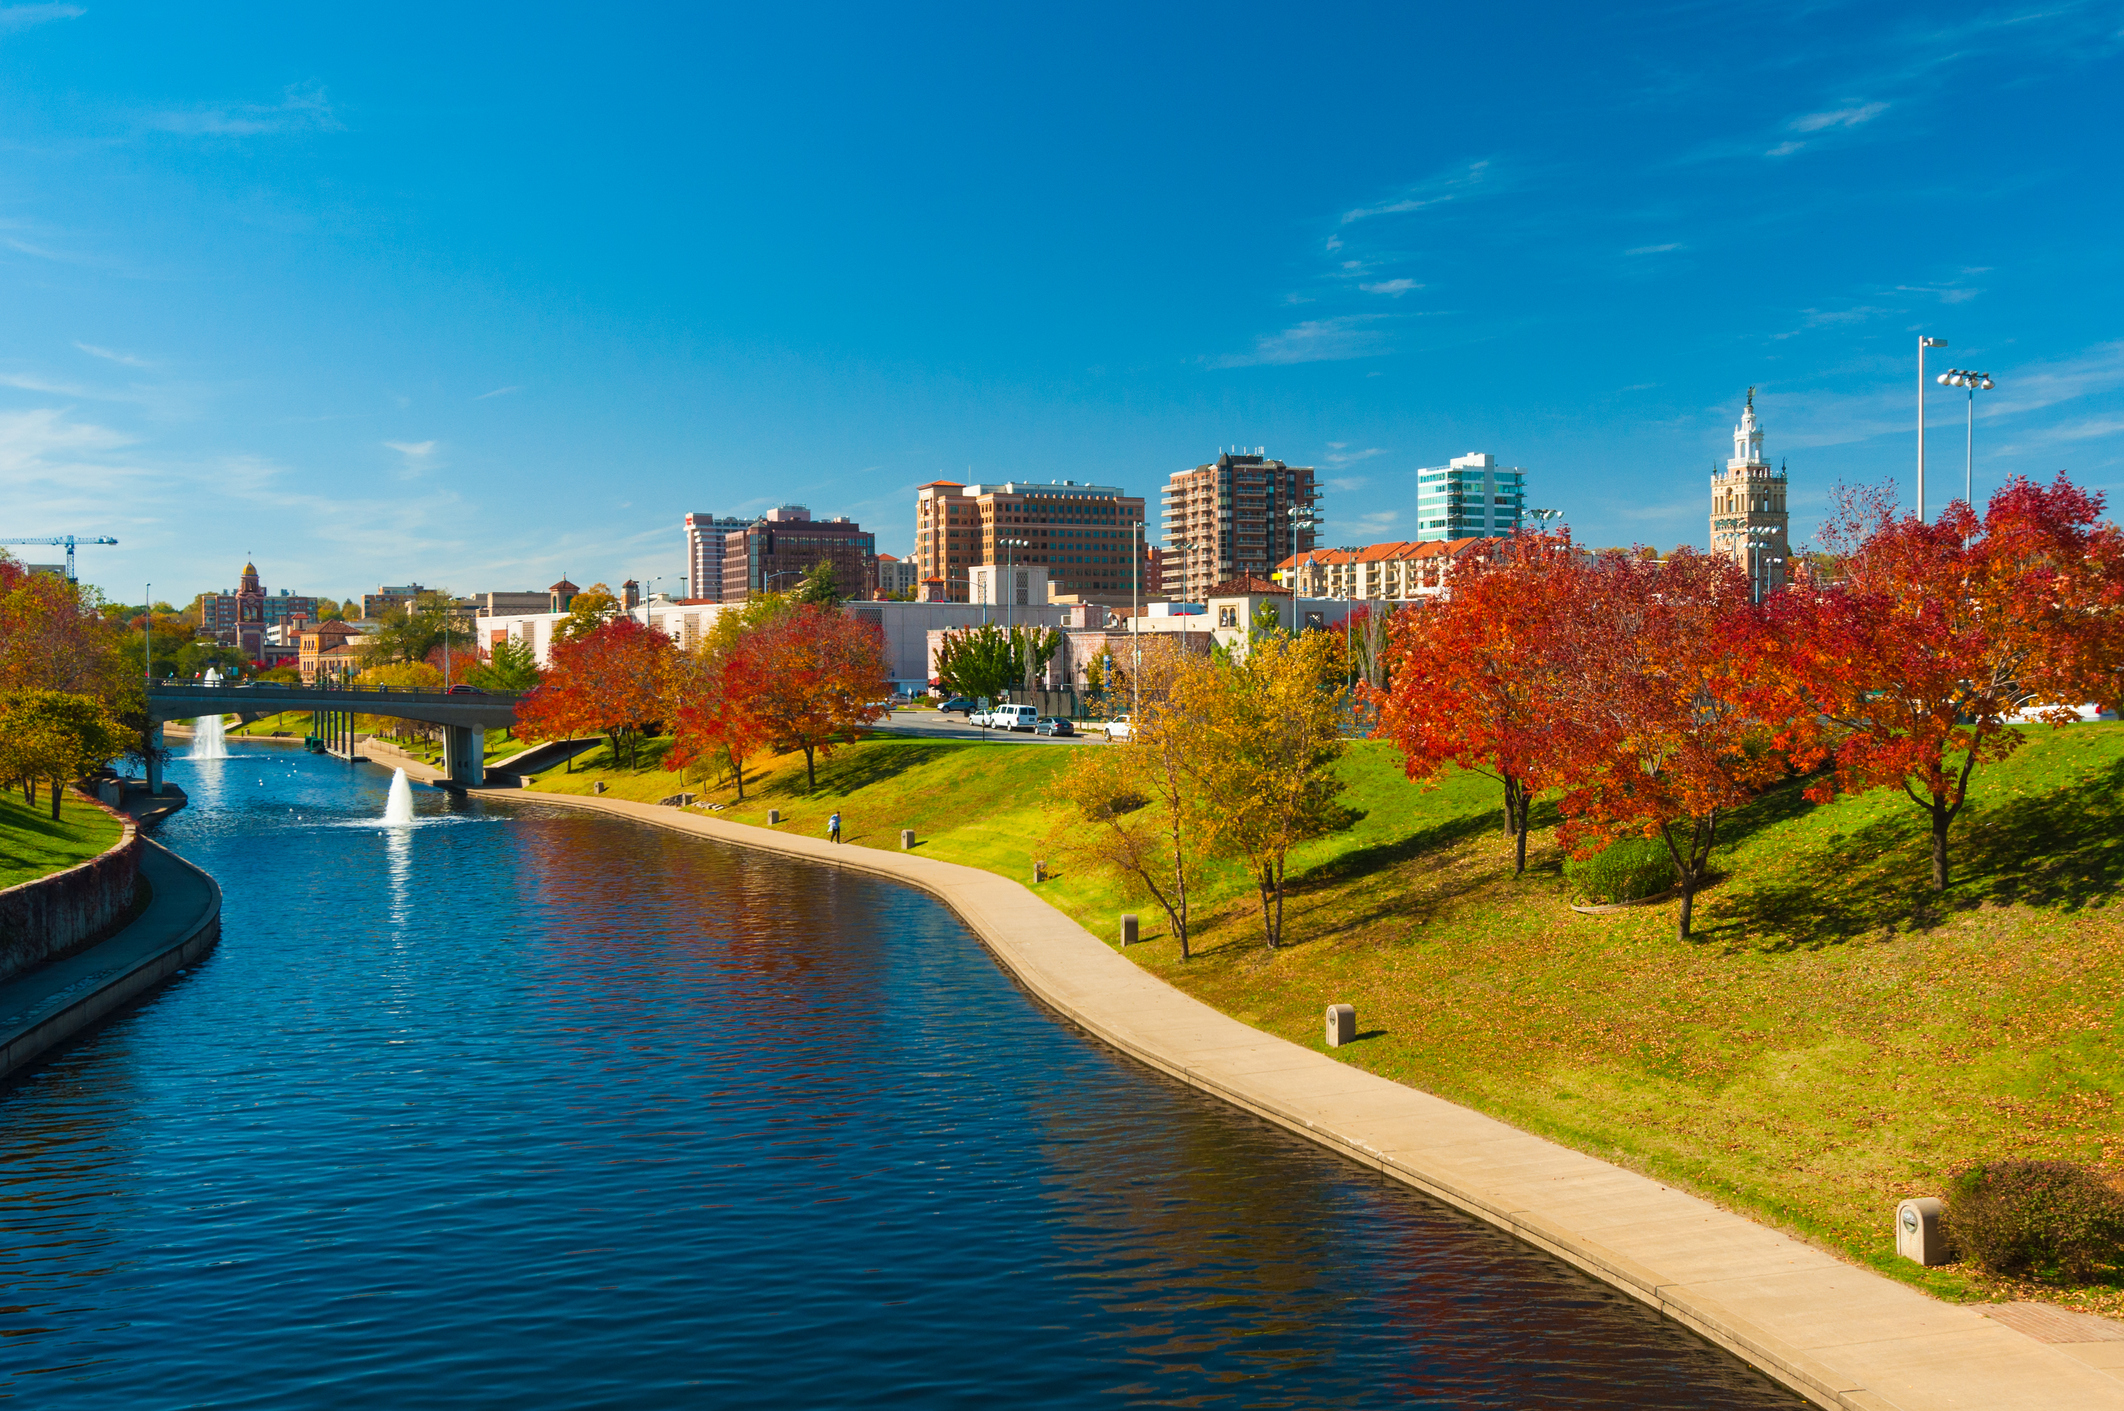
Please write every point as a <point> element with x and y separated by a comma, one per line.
<point>69,540</point>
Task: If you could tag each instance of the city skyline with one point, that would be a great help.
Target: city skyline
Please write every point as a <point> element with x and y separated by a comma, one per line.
<point>421,314</point>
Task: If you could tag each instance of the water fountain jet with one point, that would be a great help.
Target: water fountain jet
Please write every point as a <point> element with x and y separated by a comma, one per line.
<point>398,808</point>
<point>209,739</point>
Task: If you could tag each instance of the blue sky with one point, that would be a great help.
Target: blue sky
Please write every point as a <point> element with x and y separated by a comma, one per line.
<point>479,296</point>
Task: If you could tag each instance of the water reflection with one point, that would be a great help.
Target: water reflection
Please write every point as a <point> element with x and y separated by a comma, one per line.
<point>523,1106</point>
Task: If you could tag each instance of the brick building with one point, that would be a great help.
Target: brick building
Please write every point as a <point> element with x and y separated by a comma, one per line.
<point>1233,517</point>
<point>1085,536</point>
<point>773,555</point>
<point>240,619</point>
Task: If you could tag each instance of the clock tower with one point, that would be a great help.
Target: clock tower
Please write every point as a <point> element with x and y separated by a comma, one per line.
<point>1748,520</point>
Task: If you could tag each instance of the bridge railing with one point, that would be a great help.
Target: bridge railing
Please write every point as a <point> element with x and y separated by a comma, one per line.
<point>411,695</point>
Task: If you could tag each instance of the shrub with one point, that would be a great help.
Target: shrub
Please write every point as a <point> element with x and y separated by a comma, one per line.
<point>2016,1217</point>
<point>1625,870</point>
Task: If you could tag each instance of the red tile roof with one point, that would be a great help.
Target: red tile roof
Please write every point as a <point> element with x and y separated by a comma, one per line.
<point>1247,586</point>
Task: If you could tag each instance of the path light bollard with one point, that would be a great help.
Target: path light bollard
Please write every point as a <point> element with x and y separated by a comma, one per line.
<point>774,815</point>
<point>1039,873</point>
<point>1341,1024</point>
<point>1917,1231</point>
<point>1128,929</point>
<point>906,839</point>
<point>598,787</point>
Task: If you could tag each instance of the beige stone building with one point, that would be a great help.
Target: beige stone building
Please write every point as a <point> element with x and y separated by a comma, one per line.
<point>1749,523</point>
<point>1086,537</point>
<point>1403,572</point>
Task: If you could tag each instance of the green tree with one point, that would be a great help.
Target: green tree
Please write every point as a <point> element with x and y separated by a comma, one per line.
<point>589,610</point>
<point>409,633</point>
<point>510,666</point>
<point>819,587</point>
<point>55,736</point>
<point>988,660</point>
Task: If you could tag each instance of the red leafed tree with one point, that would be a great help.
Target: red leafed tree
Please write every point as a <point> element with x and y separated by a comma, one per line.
<point>1672,697</point>
<point>1925,639</point>
<point>1473,675</point>
<point>608,682</point>
<point>710,708</point>
<point>811,675</point>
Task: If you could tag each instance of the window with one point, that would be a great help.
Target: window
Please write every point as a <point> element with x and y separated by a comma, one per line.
<point>1227,617</point>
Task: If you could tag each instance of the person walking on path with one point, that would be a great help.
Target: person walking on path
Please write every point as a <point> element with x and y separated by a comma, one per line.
<point>833,828</point>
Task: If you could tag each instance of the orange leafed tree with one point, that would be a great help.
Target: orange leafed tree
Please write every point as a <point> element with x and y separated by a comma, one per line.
<point>1923,640</point>
<point>608,682</point>
<point>1672,696</point>
<point>1474,676</point>
<point>810,676</point>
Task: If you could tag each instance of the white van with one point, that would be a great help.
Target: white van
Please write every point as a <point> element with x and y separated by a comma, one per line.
<point>1010,717</point>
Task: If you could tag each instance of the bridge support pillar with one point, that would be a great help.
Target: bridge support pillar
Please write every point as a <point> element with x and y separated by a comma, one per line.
<point>465,755</point>
<point>154,758</point>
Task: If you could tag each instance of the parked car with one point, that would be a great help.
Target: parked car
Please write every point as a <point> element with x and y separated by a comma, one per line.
<point>960,704</point>
<point>461,689</point>
<point>1118,728</point>
<point>1008,717</point>
<point>1054,725</point>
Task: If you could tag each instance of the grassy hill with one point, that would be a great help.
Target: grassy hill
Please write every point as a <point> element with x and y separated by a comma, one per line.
<point>1835,1038</point>
<point>33,846</point>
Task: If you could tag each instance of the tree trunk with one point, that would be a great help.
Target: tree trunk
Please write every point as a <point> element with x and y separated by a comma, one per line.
<point>1268,925</point>
<point>1517,800</point>
<point>1688,906</point>
<point>737,767</point>
<point>811,780</point>
<point>55,799</point>
<point>1279,901</point>
<point>29,790</point>
<point>1942,816</point>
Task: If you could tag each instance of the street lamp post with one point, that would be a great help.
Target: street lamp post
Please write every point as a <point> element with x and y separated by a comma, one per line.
<point>1975,382</point>
<point>1010,546</point>
<point>1300,516</point>
<point>1923,344</point>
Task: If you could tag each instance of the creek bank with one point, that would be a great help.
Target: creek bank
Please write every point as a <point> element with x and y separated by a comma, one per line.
<point>1839,1335</point>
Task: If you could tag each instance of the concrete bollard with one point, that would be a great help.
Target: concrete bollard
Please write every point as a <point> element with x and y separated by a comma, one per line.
<point>1341,1024</point>
<point>1039,873</point>
<point>774,815</point>
<point>906,839</point>
<point>1128,928</point>
<point>598,787</point>
<point>1917,1231</point>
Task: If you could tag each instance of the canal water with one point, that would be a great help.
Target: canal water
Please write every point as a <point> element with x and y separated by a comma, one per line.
<point>524,1107</point>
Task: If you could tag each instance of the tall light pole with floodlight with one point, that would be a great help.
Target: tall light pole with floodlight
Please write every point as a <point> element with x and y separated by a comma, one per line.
<point>1975,382</point>
<point>1923,344</point>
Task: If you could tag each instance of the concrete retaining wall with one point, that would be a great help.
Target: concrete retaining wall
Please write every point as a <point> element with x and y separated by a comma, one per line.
<point>55,916</point>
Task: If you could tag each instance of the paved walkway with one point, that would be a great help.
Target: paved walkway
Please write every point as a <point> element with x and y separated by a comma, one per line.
<point>1840,1335</point>
<point>48,1006</point>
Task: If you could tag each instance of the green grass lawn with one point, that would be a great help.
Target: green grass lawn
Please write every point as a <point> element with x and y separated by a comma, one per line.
<point>1835,1037</point>
<point>33,846</point>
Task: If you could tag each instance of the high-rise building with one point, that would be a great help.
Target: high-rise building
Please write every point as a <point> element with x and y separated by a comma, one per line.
<point>240,619</point>
<point>1472,498</point>
<point>772,555</point>
<point>705,537</point>
<point>1239,515</point>
<point>1748,520</point>
<point>1083,535</point>
<point>897,575</point>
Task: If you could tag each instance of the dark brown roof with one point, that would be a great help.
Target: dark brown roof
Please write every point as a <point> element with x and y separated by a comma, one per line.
<point>1247,586</point>
<point>564,586</point>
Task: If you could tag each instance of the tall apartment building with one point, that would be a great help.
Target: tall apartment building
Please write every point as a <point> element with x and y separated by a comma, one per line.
<point>774,554</point>
<point>1748,520</point>
<point>1233,518</point>
<point>1472,498</point>
<point>705,537</point>
<point>1085,536</point>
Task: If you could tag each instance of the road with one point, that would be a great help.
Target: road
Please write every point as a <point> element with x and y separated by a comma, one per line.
<point>936,725</point>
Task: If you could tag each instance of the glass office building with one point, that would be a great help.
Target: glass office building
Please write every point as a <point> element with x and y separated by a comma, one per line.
<point>1473,498</point>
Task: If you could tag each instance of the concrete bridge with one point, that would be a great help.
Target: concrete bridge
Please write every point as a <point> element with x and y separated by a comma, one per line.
<point>465,716</point>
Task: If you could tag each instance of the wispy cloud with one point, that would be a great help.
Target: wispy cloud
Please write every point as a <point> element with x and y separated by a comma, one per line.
<point>497,392</point>
<point>1393,288</point>
<point>14,17</point>
<point>1946,294</point>
<point>1654,249</point>
<point>123,359</point>
<point>1841,117</point>
<point>1340,455</point>
<point>1314,341</point>
<point>28,383</point>
<point>1455,185</point>
<point>417,456</point>
<point>302,108</point>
